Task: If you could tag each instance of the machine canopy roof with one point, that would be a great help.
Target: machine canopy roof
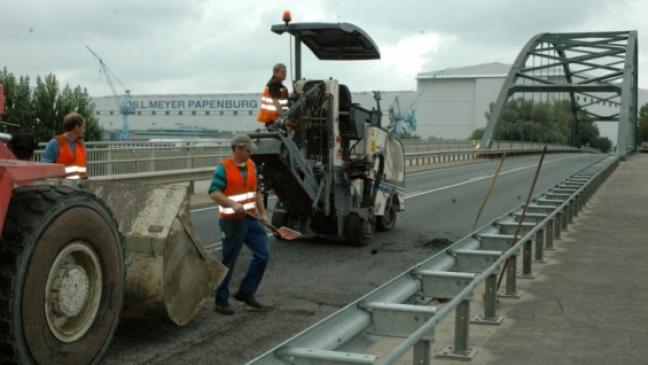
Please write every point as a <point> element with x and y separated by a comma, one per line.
<point>333,41</point>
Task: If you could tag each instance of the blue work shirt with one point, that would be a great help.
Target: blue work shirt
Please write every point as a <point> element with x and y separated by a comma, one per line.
<point>51,152</point>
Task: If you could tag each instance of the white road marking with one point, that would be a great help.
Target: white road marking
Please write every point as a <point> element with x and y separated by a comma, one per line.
<point>476,179</point>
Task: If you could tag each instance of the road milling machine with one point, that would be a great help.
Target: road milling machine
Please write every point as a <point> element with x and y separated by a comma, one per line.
<point>339,173</point>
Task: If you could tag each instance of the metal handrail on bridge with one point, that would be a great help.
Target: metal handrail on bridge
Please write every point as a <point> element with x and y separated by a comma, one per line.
<point>395,310</point>
<point>183,161</point>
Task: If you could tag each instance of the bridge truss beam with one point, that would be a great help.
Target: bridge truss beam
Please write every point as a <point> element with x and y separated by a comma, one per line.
<point>588,70</point>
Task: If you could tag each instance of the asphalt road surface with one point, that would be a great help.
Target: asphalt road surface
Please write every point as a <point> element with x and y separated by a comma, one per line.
<point>308,280</point>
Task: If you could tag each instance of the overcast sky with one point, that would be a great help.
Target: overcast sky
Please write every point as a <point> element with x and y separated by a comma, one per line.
<point>196,46</point>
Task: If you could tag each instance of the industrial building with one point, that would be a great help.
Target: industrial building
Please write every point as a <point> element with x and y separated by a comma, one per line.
<point>449,103</point>
<point>202,115</point>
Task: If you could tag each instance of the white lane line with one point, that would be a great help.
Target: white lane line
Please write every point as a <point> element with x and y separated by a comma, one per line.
<point>447,168</point>
<point>476,179</point>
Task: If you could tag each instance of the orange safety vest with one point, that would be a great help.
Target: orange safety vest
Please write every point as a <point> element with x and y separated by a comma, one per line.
<point>239,190</point>
<point>76,163</point>
<point>268,112</point>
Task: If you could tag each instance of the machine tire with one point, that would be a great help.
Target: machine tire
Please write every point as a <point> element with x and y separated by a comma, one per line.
<point>59,241</point>
<point>387,221</point>
<point>357,231</point>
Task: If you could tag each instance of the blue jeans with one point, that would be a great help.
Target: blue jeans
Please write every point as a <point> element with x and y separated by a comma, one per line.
<point>250,232</point>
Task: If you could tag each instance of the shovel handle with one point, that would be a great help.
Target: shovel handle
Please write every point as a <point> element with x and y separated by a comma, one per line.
<point>273,228</point>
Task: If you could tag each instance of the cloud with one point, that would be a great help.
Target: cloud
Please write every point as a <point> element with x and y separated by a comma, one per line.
<point>202,46</point>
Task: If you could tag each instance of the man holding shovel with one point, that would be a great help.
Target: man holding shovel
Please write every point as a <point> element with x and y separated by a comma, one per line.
<point>234,188</point>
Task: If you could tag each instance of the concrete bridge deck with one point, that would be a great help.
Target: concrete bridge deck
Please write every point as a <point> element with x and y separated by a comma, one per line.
<point>589,302</point>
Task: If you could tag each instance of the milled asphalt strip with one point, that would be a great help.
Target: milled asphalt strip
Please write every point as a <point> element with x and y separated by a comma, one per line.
<point>218,245</point>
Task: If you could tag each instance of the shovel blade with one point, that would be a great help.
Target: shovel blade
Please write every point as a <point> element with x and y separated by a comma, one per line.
<point>288,234</point>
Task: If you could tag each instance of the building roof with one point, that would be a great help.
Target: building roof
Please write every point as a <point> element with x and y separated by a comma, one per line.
<point>492,69</point>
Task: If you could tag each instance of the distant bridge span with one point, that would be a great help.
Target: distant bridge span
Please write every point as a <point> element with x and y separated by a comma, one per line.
<point>599,66</point>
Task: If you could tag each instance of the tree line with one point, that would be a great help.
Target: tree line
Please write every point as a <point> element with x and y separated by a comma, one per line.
<point>545,122</point>
<point>40,109</point>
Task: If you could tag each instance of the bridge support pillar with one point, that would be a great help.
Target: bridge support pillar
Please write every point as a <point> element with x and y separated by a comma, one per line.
<point>490,316</point>
<point>460,350</point>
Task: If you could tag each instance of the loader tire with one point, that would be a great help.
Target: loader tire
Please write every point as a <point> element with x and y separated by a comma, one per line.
<point>61,277</point>
<point>387,221</point>
<point>357,231</point>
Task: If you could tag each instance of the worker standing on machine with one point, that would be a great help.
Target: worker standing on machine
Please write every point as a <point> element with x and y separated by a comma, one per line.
<point>234,188</point>
<point>67,148</point>
<point>275,97</point>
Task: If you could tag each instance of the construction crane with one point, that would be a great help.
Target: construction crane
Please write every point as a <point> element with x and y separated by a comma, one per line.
<point>402,122</point>
<point>124,101</point>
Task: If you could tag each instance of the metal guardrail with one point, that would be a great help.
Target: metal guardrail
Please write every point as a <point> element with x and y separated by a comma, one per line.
<point>397,308</point>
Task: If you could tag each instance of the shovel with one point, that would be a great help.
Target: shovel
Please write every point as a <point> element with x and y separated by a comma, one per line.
<point>283,233</point>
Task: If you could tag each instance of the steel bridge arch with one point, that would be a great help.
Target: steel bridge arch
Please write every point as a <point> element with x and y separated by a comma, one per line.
<point>601,66</point>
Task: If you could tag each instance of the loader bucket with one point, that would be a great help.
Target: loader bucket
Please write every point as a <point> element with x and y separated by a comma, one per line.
<point>168,271</point>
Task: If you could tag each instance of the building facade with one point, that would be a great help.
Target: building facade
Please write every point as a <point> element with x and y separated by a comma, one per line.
<point>452,103</point>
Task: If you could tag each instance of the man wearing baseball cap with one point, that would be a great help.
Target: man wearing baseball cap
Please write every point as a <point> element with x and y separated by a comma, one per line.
<point>234,188</point>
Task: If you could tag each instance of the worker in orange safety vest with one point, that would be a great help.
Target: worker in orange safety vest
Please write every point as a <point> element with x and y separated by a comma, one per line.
<point>275,97</point>
<point>68,149</point>
<point>234,188</point>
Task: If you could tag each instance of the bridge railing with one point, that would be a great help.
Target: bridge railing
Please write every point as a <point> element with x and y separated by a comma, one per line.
<point>184,159</point>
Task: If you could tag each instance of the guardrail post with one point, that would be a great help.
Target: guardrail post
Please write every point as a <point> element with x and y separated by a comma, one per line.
<point>422,352</point>
<point>540,244</point>
<point>581,199</point>
<point>527,269</point>
<point>571,211</point>
<point>460,350</point>
<point>490,316</point>
<point>564,214</point>
<point>557,225</point>
<point>511,283</point>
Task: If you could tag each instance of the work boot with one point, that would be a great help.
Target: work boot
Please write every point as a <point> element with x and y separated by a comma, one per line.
<point>249,300</point>
<point>223,309</point>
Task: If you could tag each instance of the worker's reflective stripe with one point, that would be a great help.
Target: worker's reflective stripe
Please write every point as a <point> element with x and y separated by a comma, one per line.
<point>242,197</point>
<point>77,169</point>
<point>266,99</point>
<point>229,211</point>
<point>283,101</point>
<point>76,172</point>
<point>269,107</point>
